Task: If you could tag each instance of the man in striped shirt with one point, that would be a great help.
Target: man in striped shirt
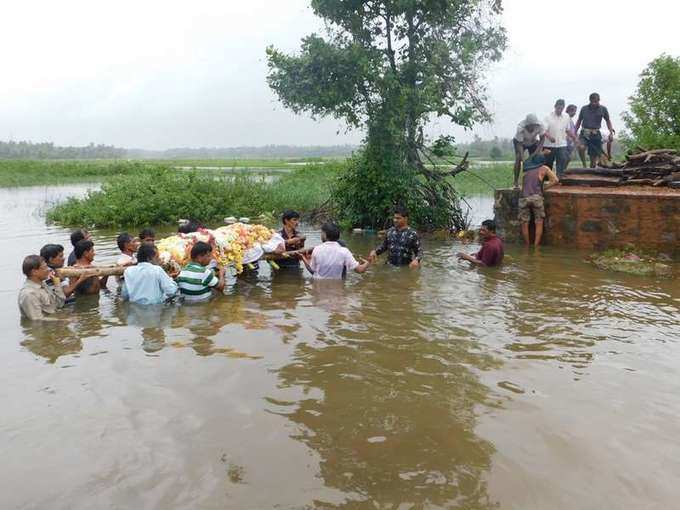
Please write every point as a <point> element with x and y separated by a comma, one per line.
<point>196,281</point>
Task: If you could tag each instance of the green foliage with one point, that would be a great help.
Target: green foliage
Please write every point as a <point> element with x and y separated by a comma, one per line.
<point>653,121</point>
<point>388,66</point>
<point>47,150</point>
<point>159,195</point>
<point>495,153</point>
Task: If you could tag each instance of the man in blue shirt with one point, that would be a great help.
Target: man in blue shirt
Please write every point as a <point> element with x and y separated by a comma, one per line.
<point>147,283</point>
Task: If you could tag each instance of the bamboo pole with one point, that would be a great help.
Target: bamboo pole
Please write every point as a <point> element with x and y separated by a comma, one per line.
<point>100,271</point>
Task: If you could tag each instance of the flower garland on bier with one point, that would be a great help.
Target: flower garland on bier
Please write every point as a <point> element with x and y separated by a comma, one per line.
<point>236,245</point>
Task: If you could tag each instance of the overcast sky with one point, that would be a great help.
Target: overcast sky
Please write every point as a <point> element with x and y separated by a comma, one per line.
<point>161,74</point>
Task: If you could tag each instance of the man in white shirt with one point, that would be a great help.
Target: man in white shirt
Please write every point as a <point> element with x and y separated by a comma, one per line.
<point>557,136</point>
<point>529,137</point>
<point>147,283</point>
<point>329,260</point>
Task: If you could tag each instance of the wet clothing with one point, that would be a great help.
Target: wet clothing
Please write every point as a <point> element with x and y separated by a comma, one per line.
<point>559,155</point>
<point>557,127</point>
<point>402,246</point>
<point>591,118</point>
<point>71,259</point>
<point>330,261</point>
<point>290,262</point>
<point>196,282</point>
<point>528,205</point>
<point>532,183</point>
<point>147,284</point>
<point>37,300</point>
<point>491,254</point>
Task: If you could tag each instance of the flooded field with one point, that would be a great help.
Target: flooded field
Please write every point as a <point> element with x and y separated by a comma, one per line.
<point>545,384</point>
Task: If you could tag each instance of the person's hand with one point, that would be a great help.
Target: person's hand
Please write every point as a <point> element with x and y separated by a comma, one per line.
<point>174,273</point>
<point>415,264</point>
<point>363,261</point>
<point>551,138</point>
<point>373,256</point>
<point>307,257</point>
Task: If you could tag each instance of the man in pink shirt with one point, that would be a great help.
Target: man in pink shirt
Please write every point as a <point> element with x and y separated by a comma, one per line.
<point>491,254</point>
<point>329,260</point>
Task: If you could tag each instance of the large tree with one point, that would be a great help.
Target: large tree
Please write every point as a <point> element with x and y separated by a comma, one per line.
<point>653,121</point>
<point>389,67</point>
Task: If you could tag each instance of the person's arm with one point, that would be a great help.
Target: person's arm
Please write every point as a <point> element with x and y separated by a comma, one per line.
<point>552,178</point>
<point>168,285</point>
<point>608,120</point>
<point>352,265</point>
<point>220,278</point>
<point>124,294</point>
<point>379,250</point>
<point>417,253</point>
<point>362,266</point>
<point>102,281</point>
<point>308,261</point>
<point>579,121</point>
<point>70,289</point>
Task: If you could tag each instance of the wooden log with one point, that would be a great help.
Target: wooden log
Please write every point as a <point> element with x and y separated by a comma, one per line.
<point>590,180</point>
<point>607,172</point>
<point>288,254</point>
<point>100,271</point>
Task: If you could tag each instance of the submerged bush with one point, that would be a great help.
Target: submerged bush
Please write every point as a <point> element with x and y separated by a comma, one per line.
<point>159,195</point>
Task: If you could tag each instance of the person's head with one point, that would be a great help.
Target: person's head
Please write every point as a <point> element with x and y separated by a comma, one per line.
<point>330,232</point>
<point>35,268</point>
<point>594,99</point>
<point>126,243</point>
<point>531,122</point>
<point>188,227</point>
<point>79,235</point>
<point>53,254</point>
<point>147,253</point>
<point>571,110</point>
<point>488,229</point>
<point>400,217</point>
<point>147,235</point>
<point>201,253</point>
<point>84,250</point>
<point>559,106</point>
<point>290,219</point>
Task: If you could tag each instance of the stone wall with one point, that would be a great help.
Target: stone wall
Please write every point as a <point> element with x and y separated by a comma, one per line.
<point>600,218</point>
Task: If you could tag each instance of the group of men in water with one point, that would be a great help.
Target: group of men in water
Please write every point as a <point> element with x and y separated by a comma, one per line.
<point>551,144</point>
<point>145,282</point>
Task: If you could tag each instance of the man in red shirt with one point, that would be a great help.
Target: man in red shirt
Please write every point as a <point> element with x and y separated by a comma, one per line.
<point>491,254</point>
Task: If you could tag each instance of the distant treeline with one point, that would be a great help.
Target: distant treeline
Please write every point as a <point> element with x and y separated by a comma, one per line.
<point>265,152</point>
<point>47,150</point>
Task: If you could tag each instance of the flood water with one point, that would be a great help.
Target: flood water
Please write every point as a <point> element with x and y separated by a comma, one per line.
<point>545,384</point>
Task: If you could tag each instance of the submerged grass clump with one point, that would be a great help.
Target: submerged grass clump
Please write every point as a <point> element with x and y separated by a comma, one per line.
<point>156,195</point>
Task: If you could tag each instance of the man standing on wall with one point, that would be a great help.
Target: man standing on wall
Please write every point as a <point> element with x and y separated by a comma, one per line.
<point>557,134</point>
<point>590,119</point>
<point>529,137</point>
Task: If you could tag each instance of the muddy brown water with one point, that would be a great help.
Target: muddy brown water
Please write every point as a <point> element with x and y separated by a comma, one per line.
<point>543,385</point>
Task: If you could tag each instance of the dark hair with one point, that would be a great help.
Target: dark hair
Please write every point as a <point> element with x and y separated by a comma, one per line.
<point>146,233</point>
<point>331,230</point>
<point>82,247</point>
<point>401,211</point>
<point>594,96</point>
<point>490,225</point>
<point>200,248</point>
<point>560,102</point>
<point>188,227</point>
<point>146,252</point>
<point>572,107</point>
<point>289,215</point>
<point>31,263</point>
<point>123,239</point>
<point>77,236</point>
<point>49,251</point>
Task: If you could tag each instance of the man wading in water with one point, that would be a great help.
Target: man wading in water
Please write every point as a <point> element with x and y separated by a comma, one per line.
<point>531,197</point>
<point>590,118</point>
<point>401,242</point>
<point>491,254</point>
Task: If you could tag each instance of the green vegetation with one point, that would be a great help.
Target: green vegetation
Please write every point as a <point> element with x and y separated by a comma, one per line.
<point>388,67</point>
<point>157,195</point>
<point>654,118</point>
<point>31,172</point>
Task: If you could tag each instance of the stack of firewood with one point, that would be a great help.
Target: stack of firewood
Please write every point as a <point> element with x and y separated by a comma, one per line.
<point>659,167</point>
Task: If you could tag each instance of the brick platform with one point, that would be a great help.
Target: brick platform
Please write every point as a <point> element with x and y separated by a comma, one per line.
<point>599,218</point>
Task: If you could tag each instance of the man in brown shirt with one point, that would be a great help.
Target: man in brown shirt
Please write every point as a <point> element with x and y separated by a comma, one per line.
<point>35,298</point>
